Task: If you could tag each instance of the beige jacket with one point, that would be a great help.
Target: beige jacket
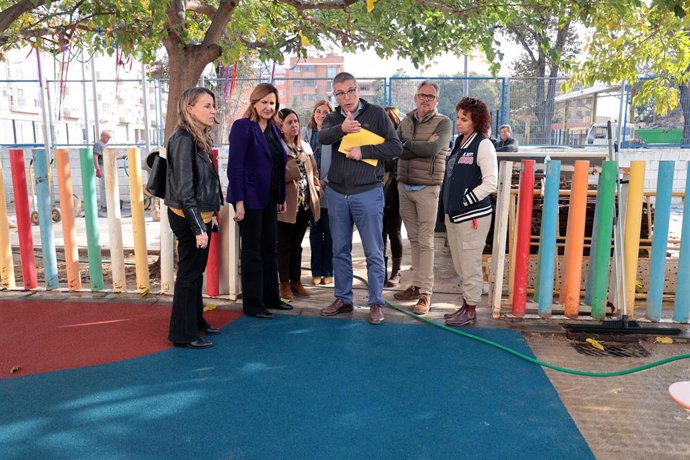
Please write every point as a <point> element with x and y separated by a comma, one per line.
<point>291,177</point>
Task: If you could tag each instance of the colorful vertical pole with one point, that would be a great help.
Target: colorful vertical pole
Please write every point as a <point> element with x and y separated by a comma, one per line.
<point>549,228</point>
<point>212,268</point>
<point>45,219</point>
<point>681,308</point>
<point>524,232</point>
<point>7,280</point>
<point>600,255</point>
<point>167,246</point>
<point>498,256</point>
<point>633,223</point>
<point>69,232</point>
<point>136,193</point>
<point>21,204</point>
<point>662,216</point>
<point>88,182</point>
<point>593,244</point>
<point>574,241</point>
<point>112,199</point>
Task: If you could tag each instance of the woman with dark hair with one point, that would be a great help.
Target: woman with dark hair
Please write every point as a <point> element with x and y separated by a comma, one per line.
<point>471,176</point>
<point>193,195</point>
<point>302,204</point>
<point>320,233</point>
<point>256,173</point>
<point>392,221</point>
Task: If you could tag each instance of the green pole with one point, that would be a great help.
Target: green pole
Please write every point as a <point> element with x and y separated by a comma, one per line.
<point>88,182</point>
<point>601,259</point>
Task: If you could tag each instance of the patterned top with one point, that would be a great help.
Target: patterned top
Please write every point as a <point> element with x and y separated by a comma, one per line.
<point>302,184</point>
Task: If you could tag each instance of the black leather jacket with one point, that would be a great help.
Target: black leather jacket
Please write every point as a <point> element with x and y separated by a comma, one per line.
<point>192,183</point>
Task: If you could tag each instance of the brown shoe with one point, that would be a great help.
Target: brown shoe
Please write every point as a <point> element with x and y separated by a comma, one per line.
<point>376,314</point>
<point>316,280</point>
<point>411,293</point>
<point>327,280</point>
<point>336,308</point>
<point>285,291</point>
<point>298,289</point>
<point>466,315</point>
<point>423,304</point>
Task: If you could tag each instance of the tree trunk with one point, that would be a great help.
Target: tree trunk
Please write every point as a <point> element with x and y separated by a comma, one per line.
<point>186,65</point>
<point>685,105</point>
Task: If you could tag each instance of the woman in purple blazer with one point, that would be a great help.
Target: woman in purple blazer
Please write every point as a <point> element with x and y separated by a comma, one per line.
<point>256,173</point>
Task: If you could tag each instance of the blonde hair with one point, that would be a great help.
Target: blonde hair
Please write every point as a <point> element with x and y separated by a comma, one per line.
<point>259,92</point>
<point>312,122</point>
<point>200,133</point>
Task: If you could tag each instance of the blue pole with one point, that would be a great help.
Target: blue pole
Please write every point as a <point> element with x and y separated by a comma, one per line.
<point>681,309</point>
<point>657,264</point>
<point>547,246</point>
<point>45,218</point>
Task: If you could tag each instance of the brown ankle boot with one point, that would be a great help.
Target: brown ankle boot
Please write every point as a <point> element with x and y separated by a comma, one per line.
<point>285,291</point>
<point>411,293</point>
<point>298,289</point>
<point>423,304</point>
<point>466,315</point>
<point>394,279</point>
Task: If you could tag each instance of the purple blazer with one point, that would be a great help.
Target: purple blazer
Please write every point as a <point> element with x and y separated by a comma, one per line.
<point>250,164</point>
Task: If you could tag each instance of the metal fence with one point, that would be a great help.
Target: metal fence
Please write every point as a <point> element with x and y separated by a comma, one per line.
<point>77,109</point>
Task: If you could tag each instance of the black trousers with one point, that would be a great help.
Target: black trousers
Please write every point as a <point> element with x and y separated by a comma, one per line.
<point>290,237</point>
<point>392,221</point>
<point>187,316</point>
<point>258,259</point>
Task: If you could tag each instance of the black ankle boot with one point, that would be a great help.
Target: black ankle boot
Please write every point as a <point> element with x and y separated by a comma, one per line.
<point>394,279</point>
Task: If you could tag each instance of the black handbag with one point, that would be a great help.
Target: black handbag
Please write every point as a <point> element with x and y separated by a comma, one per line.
<point>158,175</point>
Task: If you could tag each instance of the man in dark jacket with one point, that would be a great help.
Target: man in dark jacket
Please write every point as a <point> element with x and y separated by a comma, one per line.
<point>507,142</point>
<point>355,194</point>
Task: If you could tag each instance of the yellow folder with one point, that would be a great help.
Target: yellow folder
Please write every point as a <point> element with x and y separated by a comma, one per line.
<point>358,139</point>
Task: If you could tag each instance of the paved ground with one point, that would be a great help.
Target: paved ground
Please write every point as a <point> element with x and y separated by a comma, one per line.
<point>629,416</point>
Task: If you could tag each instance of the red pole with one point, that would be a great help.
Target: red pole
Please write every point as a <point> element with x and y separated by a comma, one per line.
<point>21,202</point>
<point>213,266</point>
<point>524,232</point>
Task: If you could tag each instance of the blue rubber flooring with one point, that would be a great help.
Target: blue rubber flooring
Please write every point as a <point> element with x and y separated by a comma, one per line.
<point>302,388</point>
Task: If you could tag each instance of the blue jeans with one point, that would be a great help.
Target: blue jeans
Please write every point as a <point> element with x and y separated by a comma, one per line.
<point>321,246</point>
<point>366,211</point>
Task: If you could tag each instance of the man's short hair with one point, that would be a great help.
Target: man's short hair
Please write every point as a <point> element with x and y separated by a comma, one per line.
<point>431,83</point>
<point>510,130</point>
<point>343,77</point>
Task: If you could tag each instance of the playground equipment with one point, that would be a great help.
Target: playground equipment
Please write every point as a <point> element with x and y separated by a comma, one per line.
<point>55,213</point>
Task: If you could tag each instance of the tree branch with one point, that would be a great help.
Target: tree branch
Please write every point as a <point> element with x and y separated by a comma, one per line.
<point>11,14</point>
<point>301,5</point>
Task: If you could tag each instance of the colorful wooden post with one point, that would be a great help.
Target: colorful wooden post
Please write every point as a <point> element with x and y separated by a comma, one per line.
<point>7,279</point>
<point>167,246</point>
<point>657,262</point>
<point>69,232</point>
<point>574,241</point>
<point>136,193</point>
<point>212,268</point>
<point>498,256</point>
<point>633,223</point>
<point>547,240</point>
<point>681,308</point>
<point>600,255</point>
<point>112,199</point>
<point>45,220</point>
<point>524,232</point>
<point>88,182</point>
<point>21,204</point>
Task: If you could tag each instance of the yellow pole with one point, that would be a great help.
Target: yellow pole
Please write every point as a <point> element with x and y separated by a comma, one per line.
<point>136,196</point>
<point>69,231</point>
<point>7,280</point>
<point>633,223</point>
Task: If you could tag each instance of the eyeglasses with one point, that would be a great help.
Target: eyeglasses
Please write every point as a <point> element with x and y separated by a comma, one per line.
<point>427,97</point>
<point>350,92</point>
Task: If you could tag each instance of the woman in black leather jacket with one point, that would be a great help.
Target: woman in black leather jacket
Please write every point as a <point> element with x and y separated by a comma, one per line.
<point>193,195</point>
